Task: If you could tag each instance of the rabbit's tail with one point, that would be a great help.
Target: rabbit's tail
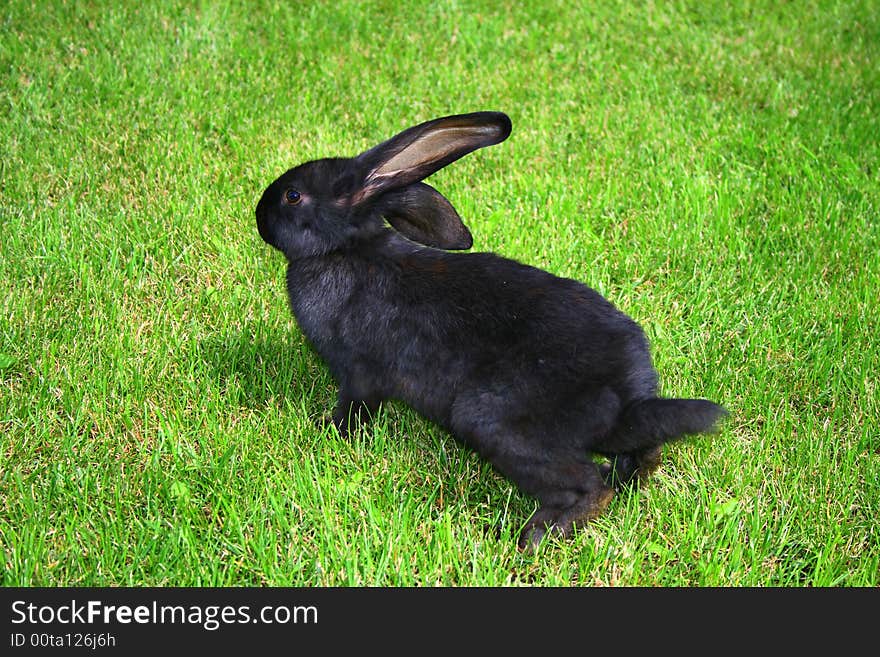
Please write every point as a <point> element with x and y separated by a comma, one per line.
<point>649,423</point>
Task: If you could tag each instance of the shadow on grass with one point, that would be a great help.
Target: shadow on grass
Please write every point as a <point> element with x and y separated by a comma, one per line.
<point>258,365</point>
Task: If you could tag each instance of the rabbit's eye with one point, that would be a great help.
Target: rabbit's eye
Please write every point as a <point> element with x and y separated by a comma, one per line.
<point>292,197</point>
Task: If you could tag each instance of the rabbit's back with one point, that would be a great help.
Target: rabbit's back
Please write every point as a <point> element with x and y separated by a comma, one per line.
<point>430,327</point>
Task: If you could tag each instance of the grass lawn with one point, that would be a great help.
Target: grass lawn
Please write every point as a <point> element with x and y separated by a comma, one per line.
<point>713,171</point>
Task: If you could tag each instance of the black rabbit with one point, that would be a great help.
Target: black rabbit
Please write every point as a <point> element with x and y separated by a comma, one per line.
<point>536,373</point>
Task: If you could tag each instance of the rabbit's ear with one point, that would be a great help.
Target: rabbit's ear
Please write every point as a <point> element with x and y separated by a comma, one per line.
<point>419,151</point>
<point>423,214</point>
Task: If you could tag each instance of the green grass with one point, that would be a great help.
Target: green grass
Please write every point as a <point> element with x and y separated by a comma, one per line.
<point>714,171</point>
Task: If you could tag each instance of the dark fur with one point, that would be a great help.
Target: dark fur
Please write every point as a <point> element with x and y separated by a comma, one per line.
<point>534,372</point>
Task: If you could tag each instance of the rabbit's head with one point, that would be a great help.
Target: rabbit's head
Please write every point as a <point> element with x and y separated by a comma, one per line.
<point>326,205</point>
